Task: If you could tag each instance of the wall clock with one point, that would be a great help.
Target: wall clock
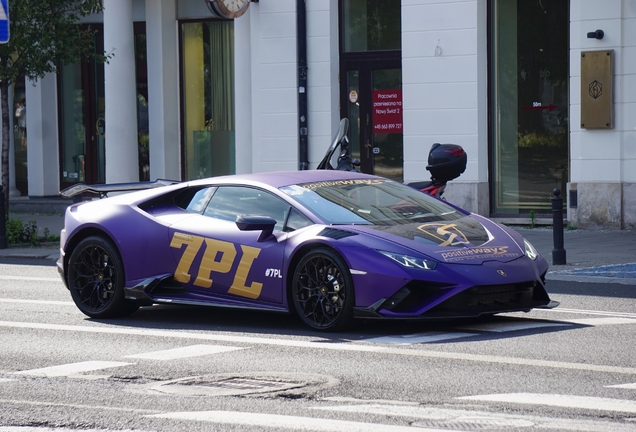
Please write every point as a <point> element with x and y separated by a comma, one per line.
<point>228,9</point>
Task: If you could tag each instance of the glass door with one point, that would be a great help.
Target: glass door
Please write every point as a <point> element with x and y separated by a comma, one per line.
<point>371,96</point>
<point>373,104</point>
<point>530,132</point>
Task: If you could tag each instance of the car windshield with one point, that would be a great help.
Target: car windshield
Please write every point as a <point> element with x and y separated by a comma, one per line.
<point>370,202</point>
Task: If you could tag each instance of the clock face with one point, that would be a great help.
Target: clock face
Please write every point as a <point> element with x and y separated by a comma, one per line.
<point>229,8</point>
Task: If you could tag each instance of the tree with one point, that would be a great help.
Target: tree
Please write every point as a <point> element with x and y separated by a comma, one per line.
<point>45,34</point>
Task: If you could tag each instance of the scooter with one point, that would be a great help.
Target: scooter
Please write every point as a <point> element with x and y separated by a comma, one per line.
<point>446,162</point>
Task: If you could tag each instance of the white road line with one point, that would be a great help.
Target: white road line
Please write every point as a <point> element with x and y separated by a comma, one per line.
<point>47,429</point>
<point>590,312</point>
<point>287,422</point>
<point>595,322</point>
<point>44,302</point>
<point>95,408</point>
<point>6,379</point>
<point>71,368</point>
<point>325,345</point>
<point>562,401</point>
<point>631,386</point>
<point>184,352</point>
<point>32,278</point>
<point>420,338</point>
<point>502,327</point>
<point>450,417</point>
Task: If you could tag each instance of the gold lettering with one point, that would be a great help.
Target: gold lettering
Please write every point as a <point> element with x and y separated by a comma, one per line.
<point>240,279</point>
<point>224,251</point>
<point>193,244</point>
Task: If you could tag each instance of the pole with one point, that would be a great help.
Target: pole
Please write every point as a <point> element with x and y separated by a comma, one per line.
<point>558,253</point>
<point>303,112</point>
<point>3,221</point>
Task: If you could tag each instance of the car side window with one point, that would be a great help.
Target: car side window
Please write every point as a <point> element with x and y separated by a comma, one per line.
<point>199,200</point>
<point>228,202</point>
<point>297,220</point>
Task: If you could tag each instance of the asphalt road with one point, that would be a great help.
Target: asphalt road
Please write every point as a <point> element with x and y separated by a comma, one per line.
<point>200,369</point>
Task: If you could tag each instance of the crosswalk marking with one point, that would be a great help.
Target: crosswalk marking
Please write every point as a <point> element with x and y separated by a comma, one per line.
<point>31,278</point>
<point>320,345</point>
<point>72,368</point>
<point>184,352</point>
<point>562,401</point>
<point>276,421</point>
<point>631,386</point>
<point>595,322</point>
<point>494,327</point>
<point>449,417</point>
<point>510,326</point>
<point>44,302</point>
<point>420,338</point>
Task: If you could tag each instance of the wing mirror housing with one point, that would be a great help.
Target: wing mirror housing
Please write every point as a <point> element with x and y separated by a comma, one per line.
<point>265,224</point>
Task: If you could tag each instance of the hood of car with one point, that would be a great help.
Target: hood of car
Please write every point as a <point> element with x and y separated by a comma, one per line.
<point>461,241</point>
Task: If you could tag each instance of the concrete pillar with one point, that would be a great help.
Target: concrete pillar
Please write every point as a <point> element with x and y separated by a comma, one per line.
<point>122,154</point>
<point>42,134</point>
<point>163,89</point>
<point>243,89</point>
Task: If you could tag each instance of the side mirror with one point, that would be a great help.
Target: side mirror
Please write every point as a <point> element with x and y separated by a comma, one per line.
<point>256,223</point>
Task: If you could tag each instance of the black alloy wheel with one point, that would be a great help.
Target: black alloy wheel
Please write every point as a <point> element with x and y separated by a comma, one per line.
<point>322,291</point>
<point>95,278</point>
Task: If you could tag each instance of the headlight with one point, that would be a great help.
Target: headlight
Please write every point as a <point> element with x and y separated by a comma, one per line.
<point>410,262</point>
<point>531,252</point>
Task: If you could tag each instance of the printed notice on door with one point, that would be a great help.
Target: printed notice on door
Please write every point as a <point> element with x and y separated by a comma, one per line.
<point>387,111</point>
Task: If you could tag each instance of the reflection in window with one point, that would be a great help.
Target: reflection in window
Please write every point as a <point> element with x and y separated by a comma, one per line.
<point>228,202</point>
<point>208,89</point>
<point>371,25</point>
<point>530,104</point>
<point>73,132</point>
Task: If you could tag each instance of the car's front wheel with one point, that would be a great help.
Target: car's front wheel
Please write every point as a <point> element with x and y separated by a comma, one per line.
<point>322,290</point>
<point>95,278</point>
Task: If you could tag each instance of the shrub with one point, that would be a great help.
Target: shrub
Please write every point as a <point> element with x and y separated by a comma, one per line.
<point>19,232</point>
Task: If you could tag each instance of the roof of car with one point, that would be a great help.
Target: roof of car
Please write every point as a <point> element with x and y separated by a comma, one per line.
<point>285,178</point>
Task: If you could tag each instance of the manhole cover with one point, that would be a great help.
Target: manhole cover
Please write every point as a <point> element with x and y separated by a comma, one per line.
<point>255,383</point>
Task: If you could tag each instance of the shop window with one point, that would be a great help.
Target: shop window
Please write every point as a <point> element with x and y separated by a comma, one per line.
<point>208,98</point>
<point>529,82</point>
<point>371,25</point>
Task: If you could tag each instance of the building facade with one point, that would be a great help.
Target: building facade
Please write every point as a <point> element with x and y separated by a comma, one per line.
<point>535,95</point>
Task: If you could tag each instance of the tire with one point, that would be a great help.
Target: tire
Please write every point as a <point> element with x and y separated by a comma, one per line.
<point>322,291</point>
<point>96,280</point>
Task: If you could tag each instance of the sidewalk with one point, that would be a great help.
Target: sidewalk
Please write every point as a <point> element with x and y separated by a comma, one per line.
<point>591,255</point>
<point>599,256</point>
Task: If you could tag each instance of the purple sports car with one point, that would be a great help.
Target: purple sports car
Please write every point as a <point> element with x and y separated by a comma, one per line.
<point>328,245</point>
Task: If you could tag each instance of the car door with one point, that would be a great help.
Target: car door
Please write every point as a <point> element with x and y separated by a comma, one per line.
<point>218,260</point>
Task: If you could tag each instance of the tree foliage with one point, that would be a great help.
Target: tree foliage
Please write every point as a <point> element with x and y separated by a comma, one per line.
<point>44,34</point>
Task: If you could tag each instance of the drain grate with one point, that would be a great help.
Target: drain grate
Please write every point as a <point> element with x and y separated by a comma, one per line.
<point>245,384</point>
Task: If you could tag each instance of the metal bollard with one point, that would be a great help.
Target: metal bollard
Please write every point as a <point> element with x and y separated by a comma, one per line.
<point>558,253</point>
<point>3,221</point>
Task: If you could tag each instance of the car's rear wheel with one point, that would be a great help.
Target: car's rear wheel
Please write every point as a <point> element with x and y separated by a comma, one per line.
<point>322,291</point>
<point>96,279</point>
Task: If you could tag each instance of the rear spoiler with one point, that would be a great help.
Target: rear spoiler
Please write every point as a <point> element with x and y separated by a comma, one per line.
<point>103,189</point>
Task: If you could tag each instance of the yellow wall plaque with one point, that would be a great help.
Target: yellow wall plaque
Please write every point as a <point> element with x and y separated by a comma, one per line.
<point>597,101</point>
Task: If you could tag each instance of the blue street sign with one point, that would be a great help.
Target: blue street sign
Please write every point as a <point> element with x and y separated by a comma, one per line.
<point>4,21</point>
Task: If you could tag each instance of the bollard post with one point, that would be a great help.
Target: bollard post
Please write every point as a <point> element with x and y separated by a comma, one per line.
<point>558,253</point>
<point>3,221</point>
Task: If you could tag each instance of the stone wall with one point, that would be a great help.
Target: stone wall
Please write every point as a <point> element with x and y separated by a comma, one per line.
<point>603,206</point>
